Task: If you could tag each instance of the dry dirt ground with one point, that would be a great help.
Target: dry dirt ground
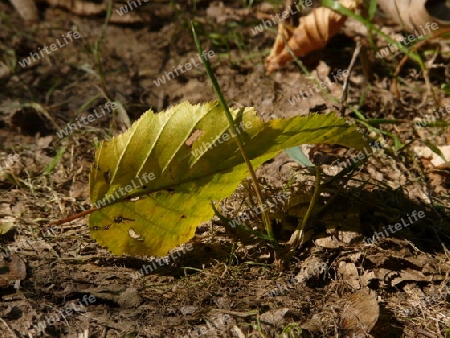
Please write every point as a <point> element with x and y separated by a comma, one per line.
<point>224,283</point>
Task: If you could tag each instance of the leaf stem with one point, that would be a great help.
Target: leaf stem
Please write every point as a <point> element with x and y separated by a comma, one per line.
<point>297,236</point>
<point>72,217</point>
<point>216,87</point>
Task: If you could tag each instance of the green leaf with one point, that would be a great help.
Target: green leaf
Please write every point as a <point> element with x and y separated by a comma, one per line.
<point>150,216</point>
<point>372,8</point>
<point>6,226</point>
<point>297,154</point>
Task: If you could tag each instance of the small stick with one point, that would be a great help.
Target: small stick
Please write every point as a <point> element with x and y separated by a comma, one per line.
<point>346,81</point>
<point>71,218</point>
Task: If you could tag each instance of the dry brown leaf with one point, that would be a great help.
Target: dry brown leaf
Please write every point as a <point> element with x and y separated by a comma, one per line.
<point>276,316</point>
<point>408,275</point>
<point>361,313</point>
<point>413,14</point>
<point>349,273</point>
<point>321,24</point>
<point>27,10</point>
<point>312,33</point>
<point>436,161</point>
<point>130,298</point>
<point>12,268</point>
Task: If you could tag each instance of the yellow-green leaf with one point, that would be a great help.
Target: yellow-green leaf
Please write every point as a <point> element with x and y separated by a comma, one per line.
<point>154,183</point>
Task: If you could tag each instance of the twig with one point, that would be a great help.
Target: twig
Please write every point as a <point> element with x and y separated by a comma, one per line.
<point>347,81</point>
<point>7,326</point>
<point>71,218</point>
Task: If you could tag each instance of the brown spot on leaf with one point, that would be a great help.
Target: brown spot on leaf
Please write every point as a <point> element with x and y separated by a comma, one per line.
<point>194,136</point>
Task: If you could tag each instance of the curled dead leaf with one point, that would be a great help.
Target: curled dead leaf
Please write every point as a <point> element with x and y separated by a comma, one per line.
<point>414,14</point>
<point>312,33</point>
<point>315,29</point>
